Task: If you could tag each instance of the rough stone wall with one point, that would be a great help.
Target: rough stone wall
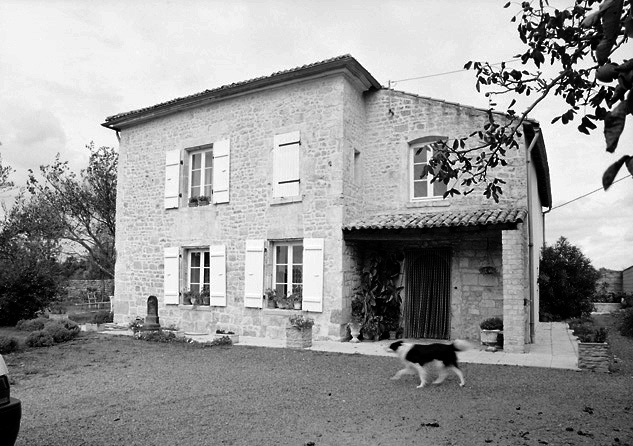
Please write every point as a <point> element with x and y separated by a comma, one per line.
<point>611,279</point>
<point>594,357</point>
<point>145,228</point>
<point>77,289</point>
<point>515,290</point>
<point>386,152</point>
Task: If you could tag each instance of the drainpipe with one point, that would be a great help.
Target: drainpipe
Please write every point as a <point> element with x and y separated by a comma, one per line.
<point>528,164</point>
<point>118,136</point>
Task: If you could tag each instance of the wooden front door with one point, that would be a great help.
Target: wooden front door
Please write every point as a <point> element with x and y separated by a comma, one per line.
<point>427,305</point>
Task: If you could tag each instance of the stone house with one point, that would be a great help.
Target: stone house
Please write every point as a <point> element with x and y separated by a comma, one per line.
<point>308,170</point>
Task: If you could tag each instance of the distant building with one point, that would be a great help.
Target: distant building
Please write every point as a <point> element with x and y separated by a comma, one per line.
<point>627,280</point>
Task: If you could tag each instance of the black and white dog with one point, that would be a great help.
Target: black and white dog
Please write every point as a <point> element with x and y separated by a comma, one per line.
<point>416,356</point>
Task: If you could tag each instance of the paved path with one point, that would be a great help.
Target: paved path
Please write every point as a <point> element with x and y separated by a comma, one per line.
<point>555,347</point>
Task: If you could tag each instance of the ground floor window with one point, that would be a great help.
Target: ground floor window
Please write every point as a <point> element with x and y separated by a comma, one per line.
<point>288,273</point>
<point>198,275</point>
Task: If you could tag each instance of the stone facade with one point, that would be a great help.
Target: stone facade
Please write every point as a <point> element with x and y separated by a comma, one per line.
<point>355,149</point>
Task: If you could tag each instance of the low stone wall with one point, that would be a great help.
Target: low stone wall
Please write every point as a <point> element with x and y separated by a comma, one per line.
<point>596,357</point>
<point>600,307</point>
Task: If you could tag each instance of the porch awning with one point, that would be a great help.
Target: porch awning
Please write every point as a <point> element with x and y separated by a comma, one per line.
<point>446,219</point>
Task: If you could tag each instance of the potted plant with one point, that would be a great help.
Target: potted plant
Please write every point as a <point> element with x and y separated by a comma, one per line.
<point>357,318</point>
<point>219,334</point>
<point>491,329</point>
<point>205,295</point>
<point>372,328</point>
<point>295,300</point>
<point>193,202</point>
<point>203,200</point>
<point>271,298</point>
<point>299,331</point>
<point>191,297</point>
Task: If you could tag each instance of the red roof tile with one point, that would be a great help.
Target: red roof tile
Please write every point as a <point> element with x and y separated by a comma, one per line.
<point>480,217</point>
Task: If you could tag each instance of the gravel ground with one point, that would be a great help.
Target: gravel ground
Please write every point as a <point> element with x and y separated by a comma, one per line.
<point>110,390</point>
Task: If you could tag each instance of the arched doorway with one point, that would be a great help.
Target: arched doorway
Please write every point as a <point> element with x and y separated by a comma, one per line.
<point>427,305</point>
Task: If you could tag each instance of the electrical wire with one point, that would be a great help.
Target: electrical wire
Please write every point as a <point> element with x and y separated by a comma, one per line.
<point>447,72</point>
<point>587,194</point>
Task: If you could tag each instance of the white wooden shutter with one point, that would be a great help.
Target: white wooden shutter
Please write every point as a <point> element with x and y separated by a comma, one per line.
<point>221,170</point>
<point>254,274</point>
<point>172,179</point>
<point>217,287</point>
<point>313,274</point>
<point>286,175</point>
<point>171,279</point>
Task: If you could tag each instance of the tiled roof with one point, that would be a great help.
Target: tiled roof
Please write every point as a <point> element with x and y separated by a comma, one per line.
<point>345,60</point>
<point>480,217</point>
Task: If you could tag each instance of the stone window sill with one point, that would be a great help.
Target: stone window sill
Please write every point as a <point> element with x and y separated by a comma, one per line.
<point>283,200</point>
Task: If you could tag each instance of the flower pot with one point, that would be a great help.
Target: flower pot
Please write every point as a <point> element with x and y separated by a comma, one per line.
<point>354,330</point>
<point>203,202</point>
<point>271,304</point>
<point>193,204</point>
<point>298,338</point>
<point>297,305</point>
<point>490,337</point>
<point>235,338</point>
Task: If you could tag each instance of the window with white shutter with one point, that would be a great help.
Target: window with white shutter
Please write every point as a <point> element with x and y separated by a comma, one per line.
<point>286,175</point>
<point>171,267</point>
<point>217,283</point>
<point>254,274</point>
<point>313,274</point>
<point>221,171</point>
<point>172,179</point>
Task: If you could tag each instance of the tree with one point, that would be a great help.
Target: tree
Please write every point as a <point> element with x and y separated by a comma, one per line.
<point>5,171</point>
<point>567,281</point>
<point>577,44</point>
<point>29,272</point>
<point>82,208</point>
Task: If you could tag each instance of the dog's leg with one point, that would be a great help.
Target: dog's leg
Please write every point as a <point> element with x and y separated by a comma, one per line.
<point>442,375</point>
<point>422,374</point>
<point>459,374</point>
<point>401,372</point>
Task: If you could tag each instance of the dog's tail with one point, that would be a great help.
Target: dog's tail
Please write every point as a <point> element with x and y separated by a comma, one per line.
<point>461,345</point>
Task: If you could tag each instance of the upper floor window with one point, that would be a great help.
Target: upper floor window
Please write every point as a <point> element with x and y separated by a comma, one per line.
<point>286,171</point>
<point>421,180</point>
<point>201,172</point>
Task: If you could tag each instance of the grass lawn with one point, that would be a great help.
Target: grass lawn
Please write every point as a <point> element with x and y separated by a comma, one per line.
<point>110,390</point>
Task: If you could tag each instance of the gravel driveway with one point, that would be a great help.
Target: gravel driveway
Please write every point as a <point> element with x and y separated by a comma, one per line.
<point>105,390</point>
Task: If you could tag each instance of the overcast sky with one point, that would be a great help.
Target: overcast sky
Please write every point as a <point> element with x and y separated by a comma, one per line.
<point>67,65</point>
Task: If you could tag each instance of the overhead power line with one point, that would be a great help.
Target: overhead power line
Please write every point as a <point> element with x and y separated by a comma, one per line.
<point>587,194</point>
<point>445,73</point>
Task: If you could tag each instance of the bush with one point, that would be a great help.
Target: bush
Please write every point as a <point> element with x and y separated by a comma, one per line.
<point>103,317</point>
<point>625,324</point>
<point>585,330</point>
<point>493,323</point>
<point>40,338</point>
<point>8,345</point>
<point>71,326</point>
<point>32,324</point>
<point>58,332</point>
<point>567,282</point>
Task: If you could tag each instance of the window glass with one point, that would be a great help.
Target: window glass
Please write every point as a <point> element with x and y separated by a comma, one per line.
<point>198,275</point>
<point>200,173</point>
<point>288,272</point>
<point>421,186</point>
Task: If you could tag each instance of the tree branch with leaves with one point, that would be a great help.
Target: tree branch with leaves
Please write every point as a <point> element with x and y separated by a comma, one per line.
<point>579,44</point>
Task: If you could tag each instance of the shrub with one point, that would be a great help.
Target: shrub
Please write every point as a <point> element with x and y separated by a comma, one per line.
<point>493,323</point>
<point>32,324</point>
<point>58,332</point>
<point>567,282</point>
<point>585,330</point>
<point>71,326</point>
<point>39,338</point>
<point>625,324</point>
<point>8,345</point>
<point>102,317</point>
